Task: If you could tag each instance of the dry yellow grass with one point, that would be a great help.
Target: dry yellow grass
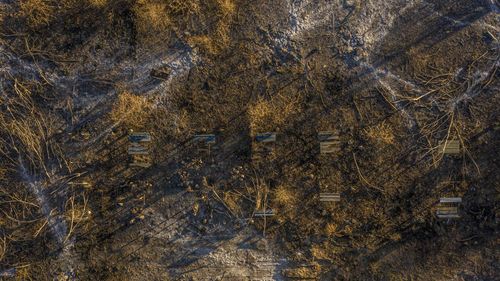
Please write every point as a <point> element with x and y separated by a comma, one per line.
<point>23,273</point>
<point>37,13</point>
<point>133,111</point>
<point>203,42</point>
<point>225,7</point>
<point>285,196</point>
<point>156,21</point>
<point>152,17</point>
<point>320,251</point>
<point>170,7</point>
<point>270,115</point>
<point>216,41</point>
<point>381,133</point>
<point>304,273</point>
<point>330,229</point>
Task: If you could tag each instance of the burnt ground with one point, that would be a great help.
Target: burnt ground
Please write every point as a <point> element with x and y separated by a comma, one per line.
<point>393,79</point>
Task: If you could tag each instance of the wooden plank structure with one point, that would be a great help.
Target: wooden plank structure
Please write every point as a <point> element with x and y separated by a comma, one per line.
<point>204,142</point>
<point>263,145</point>
<point>329,142</point>
<point>265,213</point>
<point>448,207</point>
<point>450,147</point>
<point>329,197</point>
<point>139,137</point>
<point>138,149</point>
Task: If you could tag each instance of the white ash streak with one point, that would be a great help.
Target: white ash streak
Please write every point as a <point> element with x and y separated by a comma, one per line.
<point>56,223</point>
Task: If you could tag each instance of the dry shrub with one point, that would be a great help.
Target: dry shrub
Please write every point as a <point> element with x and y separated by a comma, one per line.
<point>152,17</point>
<point>319,251</point>
<point>31,131</point>
<point>182,7</point>
<point>23,273</point>
<point>133,111</point>
<point>262,114</point>
<point>221,34</point>
<point>285,196</point>
<point>381,133</point>
<point>226,8</point>
<point>216,41</point>
<point>270,115</point>
<point>330,229</point>
<point>36,13</point>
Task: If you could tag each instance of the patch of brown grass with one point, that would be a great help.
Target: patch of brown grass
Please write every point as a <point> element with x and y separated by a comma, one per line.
<point>285,196</point>
<point>157,19</point>
<point>270,115</point>
<point>36,13</point>
<point>226,8</point>
<point>152,17</point>
<point>381,133</point>
<point>219,39</point>
<point>320,251</point>
<point>303,273</point>
<point>133,111</point>
<point>330,229</point>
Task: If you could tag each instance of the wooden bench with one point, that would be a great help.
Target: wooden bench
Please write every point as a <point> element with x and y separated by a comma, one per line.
<point>139,137</point>
<point>329,197</point>
<point>139,150</point>
<point>329,142</point>
<point>204,142</point>
<point>450,200</point>
<point>136,149</point>
<point>265,213</point>
<point>263,145</point>
<point>448,207</point>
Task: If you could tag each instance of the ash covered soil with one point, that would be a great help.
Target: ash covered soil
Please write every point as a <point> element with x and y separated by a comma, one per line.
<point>394,79</point>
